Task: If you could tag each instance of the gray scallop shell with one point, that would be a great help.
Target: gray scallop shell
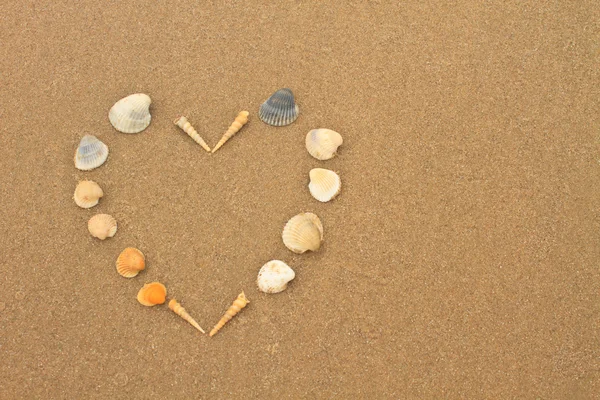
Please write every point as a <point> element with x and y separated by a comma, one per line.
<point>91,153</point>
<point>280,109</point>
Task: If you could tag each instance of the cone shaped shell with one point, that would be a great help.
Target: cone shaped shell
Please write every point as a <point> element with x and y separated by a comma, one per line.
<point>274,276</point>
<point>240,302</point>
<point>87,194</point>
<point>102,226</point>
<point>322,144</point>
<point>131,114</point>
<point>324,184</point>
<point>280,109</point>
<point>179,310</point>
<point>91,153</point>
<point>152,294</point>
<point>130,262</point>
<point>302,233</point>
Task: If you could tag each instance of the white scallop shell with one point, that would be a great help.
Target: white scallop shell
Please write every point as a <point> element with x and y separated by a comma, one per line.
<point>324,184</point>
<point>87,194</point>
<point>303,232</point>
<point>91,153</point>
<point>274,276</point>
<point>322,144</point>
<point>131,114</point>
<point>102,226</point>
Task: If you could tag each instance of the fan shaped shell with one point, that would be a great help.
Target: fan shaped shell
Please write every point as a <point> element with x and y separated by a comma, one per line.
<point>302,233</point>
<point>131,114</point>
<point>102,226</point>
<point>274,276</point>
<point>324,184</point>
<point>130,262</point>
<point>91,153</point>
<point>87,194</point>
<point>322,143</point>
<point>280,109</point>
<point>152,294</point>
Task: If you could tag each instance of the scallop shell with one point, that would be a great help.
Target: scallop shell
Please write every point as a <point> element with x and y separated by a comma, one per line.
<point>322,144</point>
<point>274,276</point>
<point>131,114</point>
<point>280,109</point>
<point>87,194</point>
<point>130,262</point>
<point>152,294</point>
<point>91,153</point>
<point>102,226</point>
<point>303,232</point>
<point>324,184</point>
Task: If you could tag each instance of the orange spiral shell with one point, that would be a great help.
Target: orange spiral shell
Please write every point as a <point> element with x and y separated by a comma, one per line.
<point>235,308</point>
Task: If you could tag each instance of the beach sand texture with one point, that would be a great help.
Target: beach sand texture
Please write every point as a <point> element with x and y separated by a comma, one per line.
<point>461,259</point>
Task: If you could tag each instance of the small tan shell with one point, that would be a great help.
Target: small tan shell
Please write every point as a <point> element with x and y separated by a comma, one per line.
<point>240,121</point>
<point>179,310</point>
<point>102,226</point>
<point>152,294</point>
<point>322,144</point>
<point>274,276</point>
<point>87,194</point>
<point>324,184</point>
<point>131,114</point>
<point>303,232</point>
<point>240,302</point>
<point>130,262</point>
<point>91,153</point>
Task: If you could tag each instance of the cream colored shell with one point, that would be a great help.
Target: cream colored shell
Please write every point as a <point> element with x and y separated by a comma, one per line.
<point>302,233</point>
<point>274,276</point>
<point>130,262</point>
<point>91,153</point>
<point>131,114</point>
<point>324,184</point>
<point>322,144</point>
<point>102,226</point>
<point>87,194</point>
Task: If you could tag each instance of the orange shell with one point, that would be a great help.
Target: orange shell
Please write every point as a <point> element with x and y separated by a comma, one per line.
<point>130,262</point>
<point>152,294</point>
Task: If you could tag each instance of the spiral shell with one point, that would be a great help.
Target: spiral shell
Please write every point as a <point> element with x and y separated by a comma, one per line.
<point>324,184</point>
<point>130,262</point>
<point>240,121</point>
<point>280,109</point>
<point>274,276</point>
<point>322,144</point>
<point>91,153</point>
<point>87,194</point>
<point>152,294</point>
<point>102,226</point>
<point>302,233</point>
<point>240,302</point>
<point>131,114</point>
<point>179,310</point>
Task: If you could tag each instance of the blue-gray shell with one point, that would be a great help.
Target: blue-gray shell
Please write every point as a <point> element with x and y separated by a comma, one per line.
<point>280,109</point>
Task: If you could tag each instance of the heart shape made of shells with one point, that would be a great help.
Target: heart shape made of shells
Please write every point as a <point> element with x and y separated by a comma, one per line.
<point>302,233</point>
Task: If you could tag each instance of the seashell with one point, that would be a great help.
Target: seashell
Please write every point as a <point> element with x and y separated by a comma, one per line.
<point>177,309</point>
<point>91,153</point>
<point>303,232</point>
<point>280,109</point>
<point>322,144</point>
<point>235,308</point>
<point>274,276</point>
<point>131,114</point>
<point>102,226</point>
<point>130,262</point>
<point>240,121</point>
<point>324,184</point>
<point>152,294</point>
<point>87,194</point>
<point>184,124</point>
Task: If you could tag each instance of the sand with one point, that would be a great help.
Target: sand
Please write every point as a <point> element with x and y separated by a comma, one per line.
<point>461,259</point>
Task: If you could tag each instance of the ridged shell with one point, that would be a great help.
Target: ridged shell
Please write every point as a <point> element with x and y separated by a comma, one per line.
<point>91,153</point>
<point>274,276</point>
<point>324,184</point>
<point>87,194</point>
<point>303,232</point>
<point>322,144</point>
<point>280,109</point>
<point>152,294</point>
<point>131,114</point>
<point>102,226</point>
<point>130,262</point>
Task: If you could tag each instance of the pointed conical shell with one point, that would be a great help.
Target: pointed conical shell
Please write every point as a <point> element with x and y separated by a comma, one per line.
<point>274,276</point>
<point>322,144</point>
<point>152,294</point>
<point>87,194</point>
<point>102,226</point>
<point>179,310</point>
<point>303,232</point>
<point>280,109</point>
<point>240,302</point>
<point>324,184</point>
<point>131,114</point>
<point>130,262</point>
<point>91,153</point>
